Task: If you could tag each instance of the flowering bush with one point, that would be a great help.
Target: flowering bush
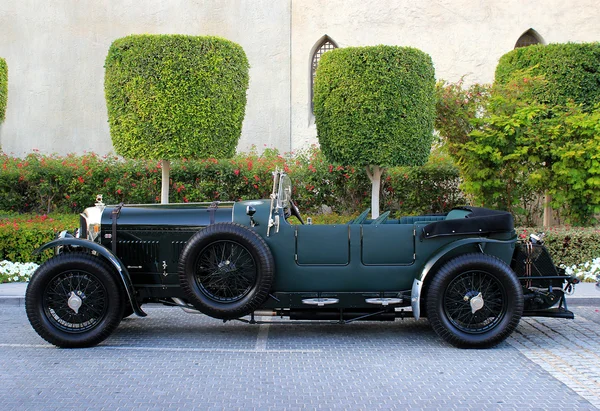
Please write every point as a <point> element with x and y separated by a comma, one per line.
<point>569,246</point>
<point>47,184</point>
<point>16,272</point>
<point>20,236</point>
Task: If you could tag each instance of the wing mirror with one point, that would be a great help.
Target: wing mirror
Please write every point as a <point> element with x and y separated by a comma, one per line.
<point>250,211</point>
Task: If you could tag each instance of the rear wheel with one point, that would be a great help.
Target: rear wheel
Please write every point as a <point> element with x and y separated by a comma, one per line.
<point>73,300</point>
<point>474,301</point>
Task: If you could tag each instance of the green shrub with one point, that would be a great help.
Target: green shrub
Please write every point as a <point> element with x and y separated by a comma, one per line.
<point>520,149</point>
<point>432,188</point>
<point>375,105</point>
<point>174,96</point>
<point>48,184</point>
<point>3,88</point>
<point>374,108</point>
<point>572,71</point>
<point>568,246</point>
<point>21,236</point>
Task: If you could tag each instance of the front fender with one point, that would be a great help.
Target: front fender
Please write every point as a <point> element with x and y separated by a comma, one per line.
<point>114,261</point>
<point>437,257</point>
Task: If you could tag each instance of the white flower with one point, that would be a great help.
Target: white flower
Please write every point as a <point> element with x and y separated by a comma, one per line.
<point>17,271</point>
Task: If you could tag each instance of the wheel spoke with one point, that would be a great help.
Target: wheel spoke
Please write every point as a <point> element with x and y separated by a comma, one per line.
<point>85,286</point>
<point>225,271</point>
<point>467,286</point>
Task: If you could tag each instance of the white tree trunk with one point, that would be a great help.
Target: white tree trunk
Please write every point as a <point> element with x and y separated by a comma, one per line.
<point>375,177</point>
<point>164,191</point>
<point>547,210</point>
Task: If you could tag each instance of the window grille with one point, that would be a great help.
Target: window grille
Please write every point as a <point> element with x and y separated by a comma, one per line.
<point>326,45</point>
<point>527,39</point>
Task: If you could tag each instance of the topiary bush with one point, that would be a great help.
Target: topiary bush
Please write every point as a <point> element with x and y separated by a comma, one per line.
<point>3,88</point>
<point>375,107</point>
<point>175,96</point>
<point>571,71</point>
<point>172,96</point>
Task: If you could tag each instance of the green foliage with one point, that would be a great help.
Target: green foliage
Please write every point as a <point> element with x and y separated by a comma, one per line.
<point>3,88</point>
<point>572,72</point>
<point>521,149</point>
<point>21,236</point>
<point>568,246</point>
<point>375,105</point>
<point>49,184</point>
<point>432,188</point>
<point>456,109</point>
<point>173,96</point>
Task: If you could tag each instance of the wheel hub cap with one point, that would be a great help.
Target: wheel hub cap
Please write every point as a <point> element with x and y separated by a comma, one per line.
<point>477,303</point>
<point>74,302</point>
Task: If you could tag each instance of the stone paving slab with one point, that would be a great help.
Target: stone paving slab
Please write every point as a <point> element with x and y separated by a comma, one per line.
<point>184,361</point>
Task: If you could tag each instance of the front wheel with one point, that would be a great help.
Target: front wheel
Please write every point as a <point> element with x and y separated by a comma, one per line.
<point>474,301</point>
<point>73,301</point>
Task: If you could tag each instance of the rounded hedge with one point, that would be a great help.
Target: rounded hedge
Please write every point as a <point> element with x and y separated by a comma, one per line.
<point>172,96</point>
<point>571,71</point>
<point>375,105</point>
<point>3,88</point>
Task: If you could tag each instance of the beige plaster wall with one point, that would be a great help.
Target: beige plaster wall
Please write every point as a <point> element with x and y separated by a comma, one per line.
<point>56,49</point>
<point>463,37</point>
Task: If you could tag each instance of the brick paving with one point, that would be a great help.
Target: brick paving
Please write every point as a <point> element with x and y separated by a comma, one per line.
<point>174,360</point>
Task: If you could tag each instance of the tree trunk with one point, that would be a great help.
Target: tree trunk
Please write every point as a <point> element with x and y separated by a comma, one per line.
<point>547,210</point>
<point>375,177</point>
<point>164,191</point>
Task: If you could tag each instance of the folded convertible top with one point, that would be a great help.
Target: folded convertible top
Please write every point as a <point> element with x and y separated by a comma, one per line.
<point>480,221</point>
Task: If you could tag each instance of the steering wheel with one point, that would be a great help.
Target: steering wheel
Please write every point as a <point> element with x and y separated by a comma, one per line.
<point>295,212</point>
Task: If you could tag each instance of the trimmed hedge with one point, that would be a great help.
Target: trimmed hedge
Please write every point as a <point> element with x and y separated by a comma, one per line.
<point>173,96</point>
<point>571,71</point>
<point>21,236</point>
<point>3,88</point>
<point>569,246</point>
<point>375,105</point>
<point>46,184</point>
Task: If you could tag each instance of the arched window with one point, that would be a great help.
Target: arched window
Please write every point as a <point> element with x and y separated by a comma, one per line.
<point>529,38</point>
<point>324,44</point>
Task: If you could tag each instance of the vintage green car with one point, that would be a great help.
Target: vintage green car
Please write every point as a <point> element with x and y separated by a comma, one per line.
<point>465,270</point>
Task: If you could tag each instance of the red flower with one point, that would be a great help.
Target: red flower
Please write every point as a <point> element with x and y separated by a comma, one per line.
<point>81,180</point>
<point>236,172</point>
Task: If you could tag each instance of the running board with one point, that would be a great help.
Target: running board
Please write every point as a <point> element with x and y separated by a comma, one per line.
<point>550,312</point>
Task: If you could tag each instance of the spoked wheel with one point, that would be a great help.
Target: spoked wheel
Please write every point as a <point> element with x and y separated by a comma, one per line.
<point>73,300</point>
<point>226,270</point>
<point>474,301</point>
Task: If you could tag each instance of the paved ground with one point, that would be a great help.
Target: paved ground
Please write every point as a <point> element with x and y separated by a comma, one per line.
<point>176,360</point>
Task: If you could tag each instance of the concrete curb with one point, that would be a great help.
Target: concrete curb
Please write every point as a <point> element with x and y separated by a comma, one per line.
<point>13,301</point>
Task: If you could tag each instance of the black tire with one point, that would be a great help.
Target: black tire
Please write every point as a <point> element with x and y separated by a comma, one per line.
<point>453,296</point>
<point>226,270</point>
<point>81,276</point>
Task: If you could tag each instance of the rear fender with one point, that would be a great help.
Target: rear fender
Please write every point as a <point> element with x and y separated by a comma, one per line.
<point>444,253</point>
<point>110,257</point>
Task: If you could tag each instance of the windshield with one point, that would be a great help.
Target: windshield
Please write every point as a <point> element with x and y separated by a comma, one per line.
<point>285,191</point>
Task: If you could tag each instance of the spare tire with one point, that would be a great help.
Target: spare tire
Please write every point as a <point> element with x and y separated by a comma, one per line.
<point>226,270</point>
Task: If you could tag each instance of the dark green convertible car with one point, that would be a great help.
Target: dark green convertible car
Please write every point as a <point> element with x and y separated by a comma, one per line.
<point>465,270</point>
